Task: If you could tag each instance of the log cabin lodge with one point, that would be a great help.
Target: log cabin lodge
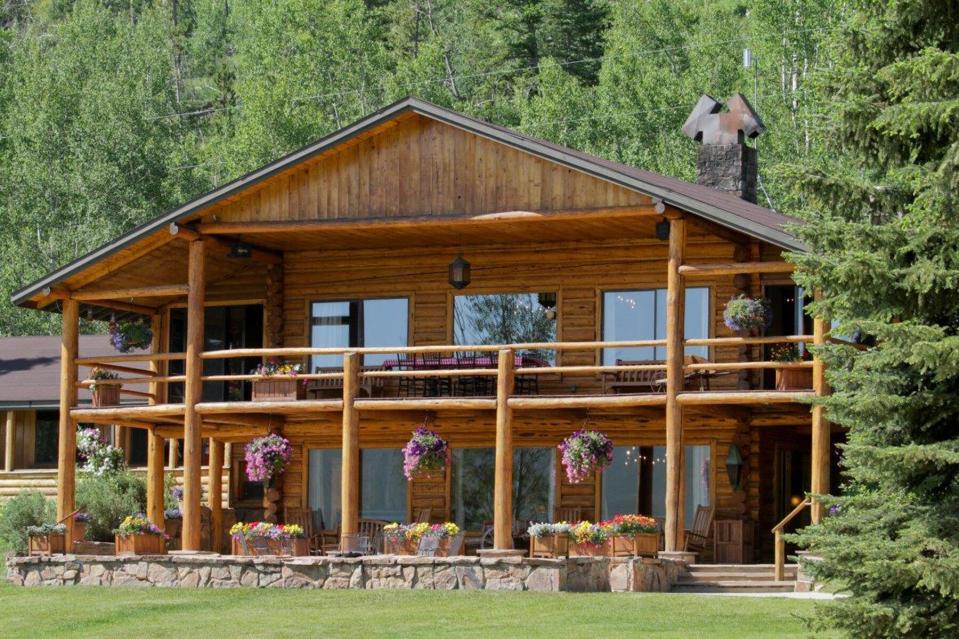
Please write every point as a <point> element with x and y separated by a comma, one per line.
<point>429,267</point>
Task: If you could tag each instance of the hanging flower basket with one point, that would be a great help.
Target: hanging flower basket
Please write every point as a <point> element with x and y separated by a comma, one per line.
<point>267,457</point>
<point>424,454</point>
<point>584,453</point>
<point>747,314</point>
<point>130,335</point>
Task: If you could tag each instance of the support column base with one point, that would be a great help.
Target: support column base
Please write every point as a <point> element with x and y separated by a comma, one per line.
<point>497,553</point>
<point>687,558</point>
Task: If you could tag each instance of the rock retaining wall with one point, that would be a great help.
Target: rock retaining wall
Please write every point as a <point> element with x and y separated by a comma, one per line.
<point>583,574</point>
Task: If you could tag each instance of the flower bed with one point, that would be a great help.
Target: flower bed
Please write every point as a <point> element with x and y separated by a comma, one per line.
<point>261,538</point>
<point>549,540</point>
<point>46,539</point>
<point>137,535</point>
<point>404,539</point>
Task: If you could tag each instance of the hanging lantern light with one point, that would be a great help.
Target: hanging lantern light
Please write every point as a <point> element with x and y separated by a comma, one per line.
<point>734,466</point>
<point>459,273</point>
<point>548,301</point>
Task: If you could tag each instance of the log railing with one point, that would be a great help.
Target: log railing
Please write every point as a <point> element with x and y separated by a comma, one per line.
<point>132,376</point>
<point>779,564</point>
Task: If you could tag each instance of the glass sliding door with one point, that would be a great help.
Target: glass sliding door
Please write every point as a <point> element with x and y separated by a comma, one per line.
<point>382,484</point>
<point>357,323</point>
<point>534,484</point>
<point>324,486</point>
<point>621,483</point>
<point>636,481</point>
<point>641,315</point>
<point>473,487</point>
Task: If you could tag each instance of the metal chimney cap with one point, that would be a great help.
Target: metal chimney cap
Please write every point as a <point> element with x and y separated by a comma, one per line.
<point>709,124</point>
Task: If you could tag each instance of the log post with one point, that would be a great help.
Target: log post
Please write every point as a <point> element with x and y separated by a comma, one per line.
<point>214,487</point>
<point>675,311</point>
<point>193,392</point>
<point>67,445</point>
<point>819,478</point>
<point>173,453</point>
<point>155,487</point>
<point>350,470</point>
<point>503,478</point>
<point>9,441</point>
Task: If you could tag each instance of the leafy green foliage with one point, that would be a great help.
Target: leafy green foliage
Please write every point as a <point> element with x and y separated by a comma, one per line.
<point>885,252</point>
<point>108,499</point>
<point>28,508</point>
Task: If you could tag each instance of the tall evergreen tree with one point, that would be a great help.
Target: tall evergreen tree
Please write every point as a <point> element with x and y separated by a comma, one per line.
<point>883,232</point>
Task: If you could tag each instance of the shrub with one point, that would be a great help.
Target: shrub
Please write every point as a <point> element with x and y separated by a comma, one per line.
<point>29,508</point>
<point>109,499</point>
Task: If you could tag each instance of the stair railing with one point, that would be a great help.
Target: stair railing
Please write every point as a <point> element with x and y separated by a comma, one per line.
<point>780,561</point>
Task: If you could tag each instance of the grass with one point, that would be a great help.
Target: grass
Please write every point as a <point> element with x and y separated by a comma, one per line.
<point>114,612</point>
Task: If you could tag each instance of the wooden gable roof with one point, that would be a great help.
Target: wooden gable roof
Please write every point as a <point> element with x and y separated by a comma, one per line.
<point>413,162</point>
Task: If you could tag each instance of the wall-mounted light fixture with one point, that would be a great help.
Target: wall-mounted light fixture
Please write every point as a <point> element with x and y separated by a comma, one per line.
<point>240,250</point>
<point>548,301</point>
<point>459,273</point>
<point>662,230</point>
<point>734,466</point>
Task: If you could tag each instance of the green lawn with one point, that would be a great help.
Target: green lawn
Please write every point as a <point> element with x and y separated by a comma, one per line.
<point>216,614</point>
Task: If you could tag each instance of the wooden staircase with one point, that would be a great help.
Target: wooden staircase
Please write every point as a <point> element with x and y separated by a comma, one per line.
<point>735,578</point>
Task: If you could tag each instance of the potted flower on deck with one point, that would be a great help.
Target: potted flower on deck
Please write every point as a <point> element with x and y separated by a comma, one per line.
<point>549,540</point>
<point>590,540</point>
<point>788,379</point>
<point>172,524</point>
<point>137,535</point>
<point>633,535</point>
<point>445,533</point>
<point>278,382</point>
<point>403,539</point>
<point>46,539</point>
<point>104,394</point>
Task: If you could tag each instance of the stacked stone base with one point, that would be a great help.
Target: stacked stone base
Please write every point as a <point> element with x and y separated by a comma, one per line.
<point>581,574</point>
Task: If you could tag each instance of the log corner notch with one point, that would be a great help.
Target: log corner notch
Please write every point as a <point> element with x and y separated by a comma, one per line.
<point>675,310</point>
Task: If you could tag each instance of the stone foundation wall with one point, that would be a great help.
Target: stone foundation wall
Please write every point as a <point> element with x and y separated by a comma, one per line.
<point>582,574</point>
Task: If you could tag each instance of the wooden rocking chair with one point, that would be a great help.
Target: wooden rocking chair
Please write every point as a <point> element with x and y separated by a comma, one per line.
<point>697,537</point>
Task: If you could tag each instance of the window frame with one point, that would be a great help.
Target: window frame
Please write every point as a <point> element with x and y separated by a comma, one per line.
<point>410,301</point>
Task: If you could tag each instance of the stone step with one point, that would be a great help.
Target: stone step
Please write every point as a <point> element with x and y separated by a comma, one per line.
<point>736,576</point>
<point>732,586</point>
<point>763,568</point>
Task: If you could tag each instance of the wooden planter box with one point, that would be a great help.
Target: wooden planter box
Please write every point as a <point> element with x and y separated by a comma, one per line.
<point>263,547</point>
<point>79,531</point>
<point>551,546</point>
<point>788,379</point>
<point>401,547</point>
<point>604,549</point>
<point>47,544</point>
<point>106,395</point>
<point>277,390</point>
<point>293,547</point>
<point>640,544</point>
<point>99,548</point>
<point>140,545</point>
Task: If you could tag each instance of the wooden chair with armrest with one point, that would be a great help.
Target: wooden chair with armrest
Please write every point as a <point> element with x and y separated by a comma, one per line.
<point>642,381</point>
<point>303,517</point>
<point>698,535</point>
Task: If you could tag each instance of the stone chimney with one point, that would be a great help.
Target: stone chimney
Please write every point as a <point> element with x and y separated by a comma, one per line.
<point>724,161</point>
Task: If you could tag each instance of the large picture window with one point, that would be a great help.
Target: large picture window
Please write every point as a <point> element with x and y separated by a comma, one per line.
<point>382,485</point>
<point>641,315</point>
<point>473,479</point>
<point>506,318</point>
<point>358,323</point>
<point>636,481</point>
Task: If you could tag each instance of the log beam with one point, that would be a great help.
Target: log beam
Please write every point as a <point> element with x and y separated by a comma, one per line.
<point>675,311</point>
<point>734,268</point>
<point>821,432</point>
<point>67,445</point>
<point>193,393</point>
<point>125,293</point>
<point>503,477</point>
<point>350,460</point>
<point>215,494</point>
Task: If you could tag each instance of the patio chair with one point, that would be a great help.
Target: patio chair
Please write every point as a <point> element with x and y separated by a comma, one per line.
<point>486,536</point>
<point>569,515</point>
<point>303,517</point>
<point>456,545</point>
<point>373,530</point>
<point>409,386</point>
<point>697,537</point>
<point>423,515</point>
<point>428,546</point>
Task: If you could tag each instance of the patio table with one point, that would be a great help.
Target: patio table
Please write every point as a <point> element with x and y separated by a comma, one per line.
<point>483,361</point>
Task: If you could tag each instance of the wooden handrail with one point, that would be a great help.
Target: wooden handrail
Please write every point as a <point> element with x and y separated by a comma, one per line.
<point>780,559</point>
<point>725,366</point>
<point>134,357</point>
<point>741,341</point>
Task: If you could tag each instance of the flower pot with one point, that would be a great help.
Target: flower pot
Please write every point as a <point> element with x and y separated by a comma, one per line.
<point>640,544</point>
<point>400,546</point>
<point>106,395</point>
<point>79,531</point>
<point>550,546</point>
<point>788,379</point>
<point>172,527</point>
<point>146,544</point>
<point>47,544</point>
<point>276,390</point>
<point>591,550</point>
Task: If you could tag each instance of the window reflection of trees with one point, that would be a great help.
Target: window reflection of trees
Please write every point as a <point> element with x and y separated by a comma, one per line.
<point>508,318</point>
